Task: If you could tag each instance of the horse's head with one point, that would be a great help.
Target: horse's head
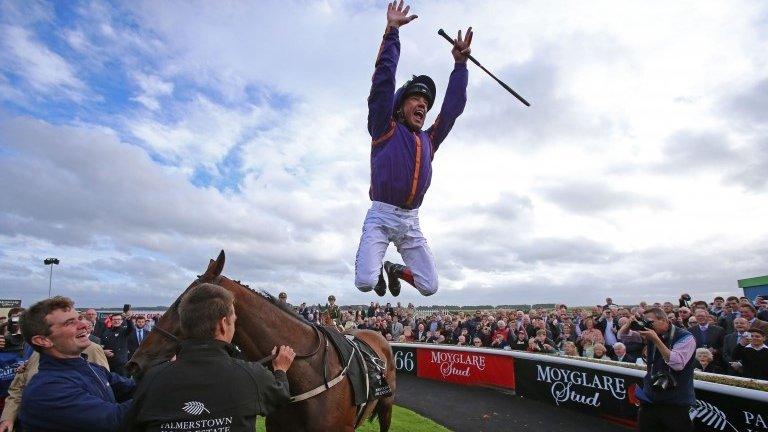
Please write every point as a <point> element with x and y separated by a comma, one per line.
<point>162,343</point>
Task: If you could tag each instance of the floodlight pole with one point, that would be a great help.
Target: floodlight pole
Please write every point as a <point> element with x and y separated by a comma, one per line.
<point>50,262</point>
<point>50,281</point>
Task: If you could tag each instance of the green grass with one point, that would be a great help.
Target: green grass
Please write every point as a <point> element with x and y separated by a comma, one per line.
<point>403,420</point>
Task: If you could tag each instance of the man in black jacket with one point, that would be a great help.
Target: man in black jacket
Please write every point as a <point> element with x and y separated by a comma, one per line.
<point>730,341</point>
<point>752,358</point>
<point>761,304</point>
<point>620,354</point>
<point>726,318</point>
<point>114,340</point>
<point>207,387</point>
<point>708,336</point>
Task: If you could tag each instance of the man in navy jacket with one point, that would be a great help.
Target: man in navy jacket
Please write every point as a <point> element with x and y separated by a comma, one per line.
<point>137,335</point>
<point>68,393</point>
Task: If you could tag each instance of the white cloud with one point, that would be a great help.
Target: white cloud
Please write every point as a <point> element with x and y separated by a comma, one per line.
<point>204,133</point>
<point>638,172</point>
<point>152,88</point>
<point>44,70</point>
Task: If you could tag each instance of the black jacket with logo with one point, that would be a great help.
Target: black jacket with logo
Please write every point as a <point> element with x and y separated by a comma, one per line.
<point>206,388</point>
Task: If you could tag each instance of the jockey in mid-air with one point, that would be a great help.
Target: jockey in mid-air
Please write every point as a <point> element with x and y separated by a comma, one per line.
<point>401,162</point>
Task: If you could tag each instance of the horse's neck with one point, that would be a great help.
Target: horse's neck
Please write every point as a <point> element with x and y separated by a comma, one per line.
<point>265,326</point>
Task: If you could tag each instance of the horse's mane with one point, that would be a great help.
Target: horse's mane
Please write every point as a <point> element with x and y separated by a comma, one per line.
<point>275,301</point>
<point>266,295</point>
<point>285,307</point>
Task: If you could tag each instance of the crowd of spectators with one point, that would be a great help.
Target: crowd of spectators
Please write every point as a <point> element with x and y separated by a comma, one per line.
<point>723,329</point>
<point>729,333</point>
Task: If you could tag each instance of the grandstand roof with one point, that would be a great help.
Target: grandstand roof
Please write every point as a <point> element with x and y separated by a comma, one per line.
<point>755,281</point>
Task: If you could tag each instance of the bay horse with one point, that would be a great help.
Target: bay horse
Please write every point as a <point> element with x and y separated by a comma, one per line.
<point>263,323</point>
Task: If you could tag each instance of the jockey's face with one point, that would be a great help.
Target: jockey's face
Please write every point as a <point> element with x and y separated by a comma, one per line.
<point>414,111</point>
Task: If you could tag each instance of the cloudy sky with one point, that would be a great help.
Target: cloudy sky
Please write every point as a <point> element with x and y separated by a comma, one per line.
<point>137,139</point>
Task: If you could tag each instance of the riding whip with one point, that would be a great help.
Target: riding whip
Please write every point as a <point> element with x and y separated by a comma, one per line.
<point>442,33</point>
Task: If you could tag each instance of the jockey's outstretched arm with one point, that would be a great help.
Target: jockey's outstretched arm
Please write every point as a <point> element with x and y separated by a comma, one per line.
<point>455,94</point>
<point>382,95</point>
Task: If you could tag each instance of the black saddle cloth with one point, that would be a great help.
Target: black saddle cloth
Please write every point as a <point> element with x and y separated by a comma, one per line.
<point>365,362</point>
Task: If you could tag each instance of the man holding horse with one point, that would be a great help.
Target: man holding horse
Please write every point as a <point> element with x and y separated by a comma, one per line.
<point>401,162</point>
<point>208,386</point>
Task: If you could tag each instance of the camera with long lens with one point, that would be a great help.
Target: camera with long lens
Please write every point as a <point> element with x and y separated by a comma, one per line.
<point>13,342</point>
<point>13,339</point>
<point>663,381</point>
<point>640,324</point>
<point>13,325</point>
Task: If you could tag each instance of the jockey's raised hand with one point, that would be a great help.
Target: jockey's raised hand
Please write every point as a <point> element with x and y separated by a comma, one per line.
<point>461,46</point>
<point>397,15</point>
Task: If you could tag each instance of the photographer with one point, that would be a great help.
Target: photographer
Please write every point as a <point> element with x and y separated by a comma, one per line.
<point>667,391</point>
<point>11,356</point>
<point>13,340</point>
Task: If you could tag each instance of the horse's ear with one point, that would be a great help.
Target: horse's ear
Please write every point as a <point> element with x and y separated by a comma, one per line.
<point>211,267</point>
<point>219,263</point>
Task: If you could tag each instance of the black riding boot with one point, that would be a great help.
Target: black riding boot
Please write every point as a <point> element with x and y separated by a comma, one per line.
<point>394,273</point>
<point>381,285</point>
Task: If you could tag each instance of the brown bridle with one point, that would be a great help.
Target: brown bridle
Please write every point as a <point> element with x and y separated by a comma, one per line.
<point>327,384</point>
<point>174,339</point>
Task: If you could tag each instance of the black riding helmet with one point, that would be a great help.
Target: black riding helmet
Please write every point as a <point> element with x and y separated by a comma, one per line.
<point>422,85</point>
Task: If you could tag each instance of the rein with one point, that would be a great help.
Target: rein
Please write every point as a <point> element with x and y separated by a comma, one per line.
<point>298,356</point>
<point>164,333</point>
<point>174,339</point>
